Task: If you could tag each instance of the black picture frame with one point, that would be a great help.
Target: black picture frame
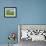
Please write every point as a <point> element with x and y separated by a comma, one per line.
<point>11,8</point>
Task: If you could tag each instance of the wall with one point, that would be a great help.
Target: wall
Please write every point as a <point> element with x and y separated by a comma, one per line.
<point>28,12</point>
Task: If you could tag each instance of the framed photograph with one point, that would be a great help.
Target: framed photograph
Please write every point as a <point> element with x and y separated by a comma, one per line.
<point>10,12</point>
